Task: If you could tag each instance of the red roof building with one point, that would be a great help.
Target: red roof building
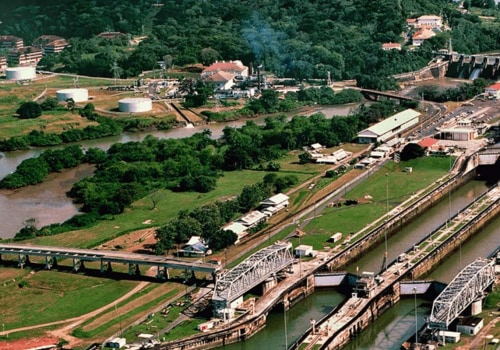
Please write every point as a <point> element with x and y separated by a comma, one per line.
<point>233,67</point>
<point>391,46</point>
<point>493,90</point>
<point>428,142</point>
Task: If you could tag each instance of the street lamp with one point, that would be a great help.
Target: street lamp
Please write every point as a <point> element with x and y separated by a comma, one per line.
<point>387,214</point>
<point>416,319</point>
<point>286,331</point>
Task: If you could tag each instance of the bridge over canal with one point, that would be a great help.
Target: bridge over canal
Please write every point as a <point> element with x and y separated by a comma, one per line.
<point>467,287</point>
<point>259,267</point>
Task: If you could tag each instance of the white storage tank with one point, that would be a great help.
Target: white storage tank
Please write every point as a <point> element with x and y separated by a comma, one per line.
<point>78,95</point>
<point>20,73</point>
<point>135,105</point>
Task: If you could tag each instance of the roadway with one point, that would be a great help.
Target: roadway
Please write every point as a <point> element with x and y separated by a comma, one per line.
<point>106,256</point>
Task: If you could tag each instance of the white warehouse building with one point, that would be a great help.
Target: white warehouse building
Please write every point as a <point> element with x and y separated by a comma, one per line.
<point>390,127</point>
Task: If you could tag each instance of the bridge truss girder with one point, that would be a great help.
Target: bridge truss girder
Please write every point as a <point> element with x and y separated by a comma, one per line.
<point>252,271</point>
<point>466,287</point>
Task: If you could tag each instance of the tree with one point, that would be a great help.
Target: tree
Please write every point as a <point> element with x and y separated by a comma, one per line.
<point>209,56</point>
<point>49,104</point>
<point>29,110</point>
<point>412,151</point>
<point>305,157</point>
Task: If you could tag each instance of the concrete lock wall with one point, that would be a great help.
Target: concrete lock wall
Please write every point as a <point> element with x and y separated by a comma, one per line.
<point>370,312</point>
<point>452,244</point>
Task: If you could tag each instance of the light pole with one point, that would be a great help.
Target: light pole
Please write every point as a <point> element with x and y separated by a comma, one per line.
<point>449,196</point>
<point>387,214</point>
<point>286,331</point>
<point>416,319</point>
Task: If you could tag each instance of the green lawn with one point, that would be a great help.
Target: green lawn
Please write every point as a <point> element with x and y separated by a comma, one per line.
<point>388,186</point>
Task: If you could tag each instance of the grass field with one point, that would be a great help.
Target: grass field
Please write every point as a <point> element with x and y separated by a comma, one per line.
<point>47,296</point>
<point>383,190</point>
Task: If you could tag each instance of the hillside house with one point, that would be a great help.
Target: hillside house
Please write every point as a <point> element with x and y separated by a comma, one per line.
<point>391,46</point>
<point>11,42</point>
<point>26,56</point>
<point>429,21</point>
<point>222,81</point>
<point>238,228</point>
<point>252,219</point>
<point>50,44</point>
<point>422,35</point>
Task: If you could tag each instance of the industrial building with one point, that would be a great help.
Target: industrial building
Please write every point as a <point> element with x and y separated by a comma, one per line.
<point>390,127</point>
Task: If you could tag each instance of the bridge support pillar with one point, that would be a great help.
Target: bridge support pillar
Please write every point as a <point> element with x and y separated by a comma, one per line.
<point>476,307</point>
<point>78,265</point>
<point>268,284</point>
<point>106,266</point>
<point>23,260</point>
<point>50,261</point>
<point>162,273</point>
<point>133,269</point>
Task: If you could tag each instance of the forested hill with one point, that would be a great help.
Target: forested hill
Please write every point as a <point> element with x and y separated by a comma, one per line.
<point>294,38</point>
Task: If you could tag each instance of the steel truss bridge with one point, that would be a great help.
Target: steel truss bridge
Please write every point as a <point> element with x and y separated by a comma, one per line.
<point>105,257</point>
<point>254,270</point>
<point>466,287</point>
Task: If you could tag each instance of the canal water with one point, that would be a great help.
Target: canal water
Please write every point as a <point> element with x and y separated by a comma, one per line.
<point>298,319</point>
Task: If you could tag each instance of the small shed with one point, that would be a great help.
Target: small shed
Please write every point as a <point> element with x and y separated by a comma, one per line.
<point>116,343</point>
<point>336,237</point>
<point>195,247</point>
<point>304,250</point>
<point>253,218</point>
<point>236,227</point>
<point>469,325</point>
<point>316,146</point>
<point>449,337</point>
<point>277,199</point>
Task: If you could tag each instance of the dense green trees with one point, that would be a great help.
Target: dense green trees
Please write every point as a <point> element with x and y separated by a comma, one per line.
<point>29,110</point>
<point>299,39</point>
